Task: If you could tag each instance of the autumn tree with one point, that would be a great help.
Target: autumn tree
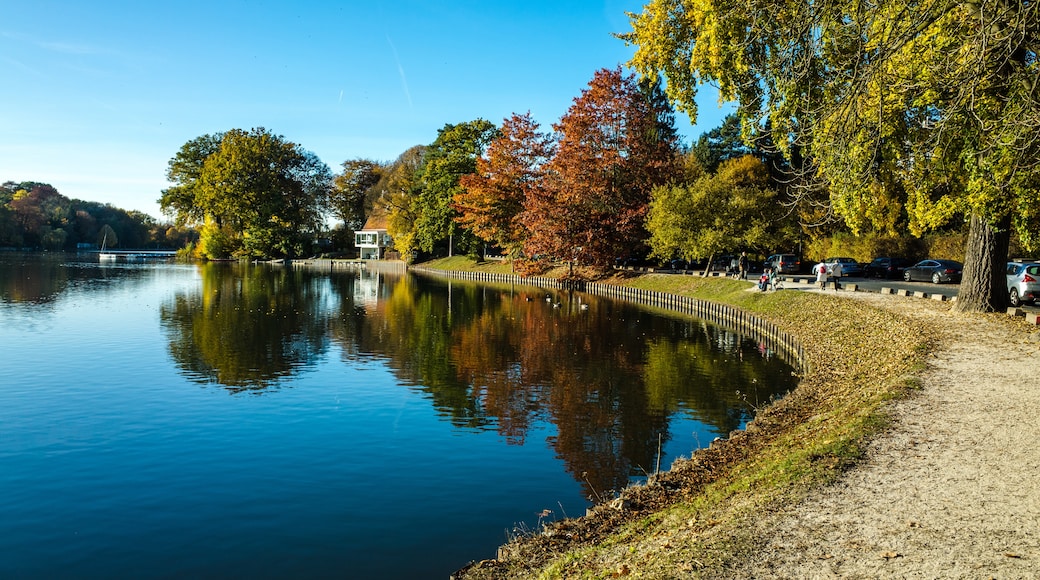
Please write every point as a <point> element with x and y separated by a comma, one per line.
<point>258,194</point>
<point>928,104</point>
<point>492,198</point>
<point>453,154</point>
<point>734,209</point>
<point>616,142</point>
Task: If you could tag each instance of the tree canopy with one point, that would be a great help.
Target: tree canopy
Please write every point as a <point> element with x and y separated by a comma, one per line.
<point>258,194</point>
<point>720,144</point>
<point>616,142</point>
<point>398,201</point>
<point>734,209</point>
<point>927,105</point>
<point>36,215</point>
<point>492,198</point>
<point>354,191</point>
<point>453,154</point>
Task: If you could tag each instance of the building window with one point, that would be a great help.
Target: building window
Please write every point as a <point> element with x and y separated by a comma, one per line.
<point>366,238</point>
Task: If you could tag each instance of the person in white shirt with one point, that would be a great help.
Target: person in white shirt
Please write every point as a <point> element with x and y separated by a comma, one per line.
<point>836,272</point>
<point>821,274</point>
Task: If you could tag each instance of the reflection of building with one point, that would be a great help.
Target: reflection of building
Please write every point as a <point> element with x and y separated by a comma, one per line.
<point>366,288</point>
<point>372,240</point>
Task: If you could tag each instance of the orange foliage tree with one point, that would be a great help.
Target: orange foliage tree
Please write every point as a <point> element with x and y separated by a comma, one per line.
<point>512,170</point>
<point>616,143</point>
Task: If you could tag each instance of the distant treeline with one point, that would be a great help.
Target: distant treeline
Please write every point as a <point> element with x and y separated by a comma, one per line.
<point>36,216</point>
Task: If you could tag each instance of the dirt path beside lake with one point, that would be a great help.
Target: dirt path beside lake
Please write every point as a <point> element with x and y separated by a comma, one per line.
<point>952,489</point>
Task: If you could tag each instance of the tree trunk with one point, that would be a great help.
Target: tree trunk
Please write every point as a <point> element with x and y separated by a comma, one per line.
<point>984,284</point>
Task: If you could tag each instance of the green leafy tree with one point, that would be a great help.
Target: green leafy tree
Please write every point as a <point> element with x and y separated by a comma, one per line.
<point>185,172</point>
<point>616,142</point>
<point>720,144</point>
<point>931,104</point>
<point>354,191</point>
<point>453,154</point>
<point>492,198</point>
<point>398,200</point>
<point>732,210</point>
<point>267,194</point>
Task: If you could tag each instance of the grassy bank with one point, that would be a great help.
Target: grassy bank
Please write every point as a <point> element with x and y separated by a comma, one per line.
<point>702,515</point>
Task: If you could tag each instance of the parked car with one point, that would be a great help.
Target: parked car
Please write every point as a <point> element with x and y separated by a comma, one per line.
<point>891,268</point>
<point>935,271</point>
<point>1023,280</point>
<point>630,262</point>
<point>784,263</point>
<point>725,263</point>
<point>849,267</point>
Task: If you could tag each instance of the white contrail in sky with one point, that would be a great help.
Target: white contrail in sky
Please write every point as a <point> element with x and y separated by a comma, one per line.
<point>400,70</point>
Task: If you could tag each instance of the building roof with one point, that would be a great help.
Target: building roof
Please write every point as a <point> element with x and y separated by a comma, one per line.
<point>376,221</point>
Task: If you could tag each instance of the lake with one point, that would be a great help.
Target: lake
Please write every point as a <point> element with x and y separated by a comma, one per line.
<point>160,419</point>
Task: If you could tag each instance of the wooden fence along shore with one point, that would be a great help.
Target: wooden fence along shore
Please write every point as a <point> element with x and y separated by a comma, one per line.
<point>727,317</point>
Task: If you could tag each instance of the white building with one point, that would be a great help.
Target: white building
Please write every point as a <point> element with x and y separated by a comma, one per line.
<point>372,240</point>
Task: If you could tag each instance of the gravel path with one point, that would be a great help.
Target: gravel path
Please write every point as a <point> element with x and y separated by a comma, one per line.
<point>953,489</point>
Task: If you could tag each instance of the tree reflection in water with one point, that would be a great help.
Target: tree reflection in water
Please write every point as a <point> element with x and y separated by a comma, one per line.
<point>607,377</point>
<point>247,327</point>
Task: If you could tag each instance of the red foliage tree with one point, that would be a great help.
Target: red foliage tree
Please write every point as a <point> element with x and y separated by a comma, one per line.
<point>511,171</point>
<point>617,142</point>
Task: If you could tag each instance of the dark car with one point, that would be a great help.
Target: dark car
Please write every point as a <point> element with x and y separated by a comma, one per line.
<point>726,263</point>
<point>935,271</point>
<point>679,265</point>
<point>891,268</point>
<point>784,263</point>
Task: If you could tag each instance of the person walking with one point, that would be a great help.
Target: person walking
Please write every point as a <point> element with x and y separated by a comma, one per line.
<point>821,274</point>
<point>742,266</point>
<point>836,272</point>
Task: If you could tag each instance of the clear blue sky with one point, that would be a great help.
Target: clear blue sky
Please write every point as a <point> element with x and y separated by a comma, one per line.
<point>98,96</point>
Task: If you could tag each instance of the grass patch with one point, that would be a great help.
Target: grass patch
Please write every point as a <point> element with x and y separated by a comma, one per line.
<point>707,511</point>
<point>467,263</point>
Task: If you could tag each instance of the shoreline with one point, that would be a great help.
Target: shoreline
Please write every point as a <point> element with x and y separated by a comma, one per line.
<point>907,450</point>
<point>695,516</point>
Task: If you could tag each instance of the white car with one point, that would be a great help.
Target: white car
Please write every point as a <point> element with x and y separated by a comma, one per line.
<point>1023,280</point>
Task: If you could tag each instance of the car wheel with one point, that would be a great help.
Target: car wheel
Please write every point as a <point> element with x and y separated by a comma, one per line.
<point>1014,298</point>
<point>936,279</point>
<point>906,276</point>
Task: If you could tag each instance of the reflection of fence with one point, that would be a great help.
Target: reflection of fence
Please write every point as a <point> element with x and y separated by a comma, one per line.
<point>725,316</point>
<point>384,266</point>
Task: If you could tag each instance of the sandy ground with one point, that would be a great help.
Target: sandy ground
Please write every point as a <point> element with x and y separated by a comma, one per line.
<point>953,489</point>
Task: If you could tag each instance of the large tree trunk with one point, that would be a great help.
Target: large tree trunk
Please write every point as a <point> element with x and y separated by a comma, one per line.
<point>984,285</point>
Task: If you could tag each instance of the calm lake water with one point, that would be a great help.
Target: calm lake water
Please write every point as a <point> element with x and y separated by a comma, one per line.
<point>174,420</point>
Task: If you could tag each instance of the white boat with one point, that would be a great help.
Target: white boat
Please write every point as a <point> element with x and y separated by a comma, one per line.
<point>103,255</point>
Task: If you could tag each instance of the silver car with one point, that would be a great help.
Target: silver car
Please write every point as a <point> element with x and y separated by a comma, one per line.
<point>1023,280</point>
